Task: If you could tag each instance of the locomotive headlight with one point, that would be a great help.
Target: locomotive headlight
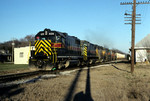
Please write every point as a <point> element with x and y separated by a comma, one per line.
<point>48,57</point>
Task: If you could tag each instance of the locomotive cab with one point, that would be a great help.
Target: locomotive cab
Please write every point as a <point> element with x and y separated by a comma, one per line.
<point>53,36</point>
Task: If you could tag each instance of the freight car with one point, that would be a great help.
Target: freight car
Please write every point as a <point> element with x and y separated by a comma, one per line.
<point>58,50</point>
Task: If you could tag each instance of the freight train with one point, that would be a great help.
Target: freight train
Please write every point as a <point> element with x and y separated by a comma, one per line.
<point>54,49</point>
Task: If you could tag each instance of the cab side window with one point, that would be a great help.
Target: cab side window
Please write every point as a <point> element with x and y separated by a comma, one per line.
<point>58,38</point>
<point>63,40</point>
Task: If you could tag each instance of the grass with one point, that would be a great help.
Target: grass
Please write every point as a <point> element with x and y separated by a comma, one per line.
<point>10,66</point>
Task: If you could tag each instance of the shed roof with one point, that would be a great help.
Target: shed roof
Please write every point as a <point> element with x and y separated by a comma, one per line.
<point>145,42</point>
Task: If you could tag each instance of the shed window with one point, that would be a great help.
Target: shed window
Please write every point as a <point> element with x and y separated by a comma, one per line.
<point>21,54</point>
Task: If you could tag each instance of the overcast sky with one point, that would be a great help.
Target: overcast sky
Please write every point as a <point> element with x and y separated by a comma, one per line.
<point>98,21</point>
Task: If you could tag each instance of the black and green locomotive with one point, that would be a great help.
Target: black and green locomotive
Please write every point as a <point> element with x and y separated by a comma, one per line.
<point>58,50</point>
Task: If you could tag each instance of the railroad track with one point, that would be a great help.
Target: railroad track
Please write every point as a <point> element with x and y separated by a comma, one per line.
<point>12,77</point>
<point>18,76</point>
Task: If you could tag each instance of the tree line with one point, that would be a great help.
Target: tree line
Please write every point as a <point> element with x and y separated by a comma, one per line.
<point>7,46</point>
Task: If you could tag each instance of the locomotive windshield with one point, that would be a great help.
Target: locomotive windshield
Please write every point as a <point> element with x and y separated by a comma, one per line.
<point>53,38</point>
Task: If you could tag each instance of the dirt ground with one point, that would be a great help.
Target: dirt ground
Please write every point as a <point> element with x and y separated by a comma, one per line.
<point>14,71</point>
<point>102,83</point>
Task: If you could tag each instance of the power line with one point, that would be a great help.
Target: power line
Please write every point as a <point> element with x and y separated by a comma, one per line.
<point>133,22</point>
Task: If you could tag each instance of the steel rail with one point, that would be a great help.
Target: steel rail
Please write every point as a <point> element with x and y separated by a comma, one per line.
<point>12,77</point>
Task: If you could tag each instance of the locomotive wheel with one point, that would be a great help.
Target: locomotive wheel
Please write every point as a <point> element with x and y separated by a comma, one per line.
<point>60,65</point>
<point>83,63</point>
<point>40,63</point>
<point>79,63</point>
<point>91,61</point>
<point>67,63</point>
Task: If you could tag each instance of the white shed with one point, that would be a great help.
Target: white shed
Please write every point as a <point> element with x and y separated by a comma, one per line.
<point>142,50</point>
<point>22,54</point>
<point>140,55</point>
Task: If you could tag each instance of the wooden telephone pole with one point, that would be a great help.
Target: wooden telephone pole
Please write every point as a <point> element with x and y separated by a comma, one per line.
<point>133,28</point>
<point>133,35</point>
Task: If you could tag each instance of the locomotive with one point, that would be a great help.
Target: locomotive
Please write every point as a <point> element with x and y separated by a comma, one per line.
<point>54,49</point>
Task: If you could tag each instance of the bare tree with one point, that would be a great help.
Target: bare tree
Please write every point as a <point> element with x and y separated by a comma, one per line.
<point>7,46</point>
<point>30,38</point>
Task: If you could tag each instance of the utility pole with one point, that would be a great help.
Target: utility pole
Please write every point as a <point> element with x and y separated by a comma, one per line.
<point>13,44</point>
<point>133,28</point>
<point>133,35</point>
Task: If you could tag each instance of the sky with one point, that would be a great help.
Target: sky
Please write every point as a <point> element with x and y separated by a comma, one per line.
<point>98,21</point>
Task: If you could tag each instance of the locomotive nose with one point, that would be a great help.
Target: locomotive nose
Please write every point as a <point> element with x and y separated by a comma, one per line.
<point>43,46</point>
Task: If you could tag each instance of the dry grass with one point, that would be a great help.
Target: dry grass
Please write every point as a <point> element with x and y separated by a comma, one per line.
<point>7,68</point>
<point>139,84</point>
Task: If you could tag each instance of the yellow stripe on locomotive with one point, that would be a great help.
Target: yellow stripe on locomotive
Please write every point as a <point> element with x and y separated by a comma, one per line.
<point>43,46</point>
<point>85,53</point>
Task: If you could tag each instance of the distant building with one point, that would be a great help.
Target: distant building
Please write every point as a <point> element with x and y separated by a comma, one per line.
<point>2,51</point>
<point>142,54</point>
<point>142,50</point>
<point>5,56</point>
<point>22,54</point>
